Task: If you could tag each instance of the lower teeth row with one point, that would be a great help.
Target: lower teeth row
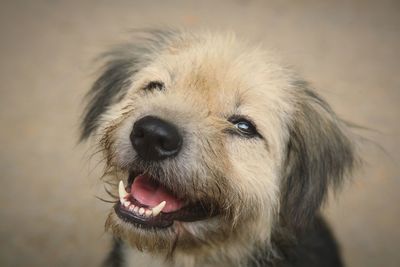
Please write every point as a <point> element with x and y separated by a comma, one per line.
<point>139,211</point>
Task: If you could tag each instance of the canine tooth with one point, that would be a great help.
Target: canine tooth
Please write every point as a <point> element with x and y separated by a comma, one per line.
<point>122,192</point>
<point>148,213</point>
<point>157,209</point>
<point>141,211</point>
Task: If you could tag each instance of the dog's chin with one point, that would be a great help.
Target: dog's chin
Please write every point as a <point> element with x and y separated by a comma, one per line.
<point>184,223</point>
<point>180,236</point>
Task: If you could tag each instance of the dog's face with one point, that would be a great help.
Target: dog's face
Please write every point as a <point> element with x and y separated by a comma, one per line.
<point>216,144</point>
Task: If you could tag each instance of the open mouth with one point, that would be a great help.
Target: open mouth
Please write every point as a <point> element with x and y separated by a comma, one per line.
<point>146,203</point>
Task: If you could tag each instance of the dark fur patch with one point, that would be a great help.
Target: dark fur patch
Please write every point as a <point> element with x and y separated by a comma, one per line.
<point>314,246</point>
<point>121,64</point>
<point>319,154</point>
<point>115,258</point>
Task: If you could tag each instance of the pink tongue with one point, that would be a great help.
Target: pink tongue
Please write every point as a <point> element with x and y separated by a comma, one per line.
<point>150,193</point>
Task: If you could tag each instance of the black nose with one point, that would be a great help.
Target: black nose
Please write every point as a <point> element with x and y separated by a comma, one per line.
<point>155,139</point>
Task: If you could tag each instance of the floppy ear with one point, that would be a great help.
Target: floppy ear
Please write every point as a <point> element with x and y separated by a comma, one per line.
<point>113,82</point>
<point>121,64</point>
<point>319,154</point>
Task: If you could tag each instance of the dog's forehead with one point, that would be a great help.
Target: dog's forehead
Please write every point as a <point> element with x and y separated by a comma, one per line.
<point>210,81</point>
<point>226,75</point>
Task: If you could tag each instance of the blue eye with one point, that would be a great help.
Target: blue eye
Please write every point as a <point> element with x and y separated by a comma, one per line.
<point>244,127</point>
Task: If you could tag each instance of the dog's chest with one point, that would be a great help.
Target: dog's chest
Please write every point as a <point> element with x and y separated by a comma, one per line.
<point>133,258</point>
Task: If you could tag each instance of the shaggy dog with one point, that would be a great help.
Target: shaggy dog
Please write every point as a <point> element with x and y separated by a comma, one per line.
<point>220,155</point>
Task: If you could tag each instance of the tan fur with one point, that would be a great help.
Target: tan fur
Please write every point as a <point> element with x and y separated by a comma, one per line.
<point>209,77</point>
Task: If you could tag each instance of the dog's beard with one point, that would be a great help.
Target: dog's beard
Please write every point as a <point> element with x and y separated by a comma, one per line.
<point>234,223</point>
<point>184,237</point>
<point>180,234</point>
<point>211,241</point>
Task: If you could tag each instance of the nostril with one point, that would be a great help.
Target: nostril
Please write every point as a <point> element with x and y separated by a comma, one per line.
<point>170,144</point>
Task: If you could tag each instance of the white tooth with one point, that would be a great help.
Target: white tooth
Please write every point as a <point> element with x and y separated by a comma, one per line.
<point>157,209</point>
<point>131,207</point>
<point>127,203</point>
<point>148,213</point>
<point>136,209</point>
<point>122,192</point>
<point>141,211</point>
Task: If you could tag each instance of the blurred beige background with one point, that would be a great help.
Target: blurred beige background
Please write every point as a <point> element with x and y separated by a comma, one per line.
<point>49,215</point>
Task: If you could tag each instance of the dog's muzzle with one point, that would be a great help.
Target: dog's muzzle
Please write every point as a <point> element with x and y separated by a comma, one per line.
<point>148,201</point>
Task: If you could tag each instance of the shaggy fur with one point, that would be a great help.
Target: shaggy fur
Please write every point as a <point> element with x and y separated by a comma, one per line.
<point>267,189</point>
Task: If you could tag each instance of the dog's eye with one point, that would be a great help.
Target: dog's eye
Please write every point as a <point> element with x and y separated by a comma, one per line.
<point>244,126</point>
<point>154,85</point>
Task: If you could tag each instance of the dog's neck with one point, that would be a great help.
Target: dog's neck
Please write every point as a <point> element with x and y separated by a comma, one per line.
<point>133,257</point>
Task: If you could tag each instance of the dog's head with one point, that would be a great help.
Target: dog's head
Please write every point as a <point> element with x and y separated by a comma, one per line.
<point>214,141</point>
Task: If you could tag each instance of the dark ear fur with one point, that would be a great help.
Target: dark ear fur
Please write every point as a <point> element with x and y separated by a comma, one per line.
<point>121,64</point>
<point>319,155</point>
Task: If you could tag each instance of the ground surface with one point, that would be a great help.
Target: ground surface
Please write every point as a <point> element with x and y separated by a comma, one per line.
<point>48,213</point>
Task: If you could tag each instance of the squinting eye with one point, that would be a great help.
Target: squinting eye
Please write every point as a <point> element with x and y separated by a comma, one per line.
<point>155,85</point>
<point>244,127</point>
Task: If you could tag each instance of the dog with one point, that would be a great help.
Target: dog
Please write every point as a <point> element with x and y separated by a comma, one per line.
<point>217,154</point>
